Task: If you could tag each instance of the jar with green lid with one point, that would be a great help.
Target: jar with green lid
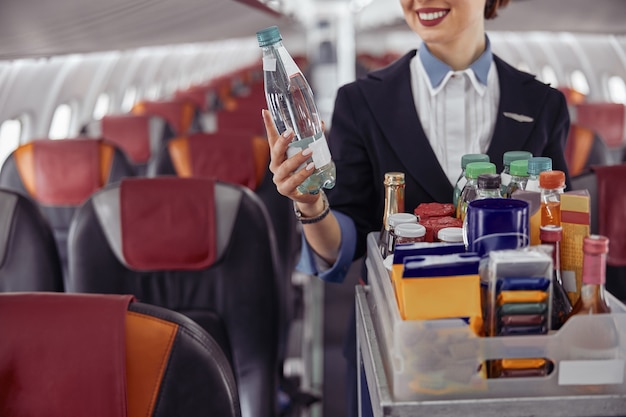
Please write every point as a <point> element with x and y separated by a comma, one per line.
<point>507,159</point>
<point>472,171</point>
<point>460,183</point>
<point>519,177</point>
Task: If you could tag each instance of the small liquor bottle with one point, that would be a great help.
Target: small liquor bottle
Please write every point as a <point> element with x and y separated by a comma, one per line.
<point>551,184</point>
<point>561,305</point>
<point>394,203</point>
<point>592,293</point>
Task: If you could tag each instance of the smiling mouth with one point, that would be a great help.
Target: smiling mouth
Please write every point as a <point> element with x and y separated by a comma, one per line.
<point>431,18</point>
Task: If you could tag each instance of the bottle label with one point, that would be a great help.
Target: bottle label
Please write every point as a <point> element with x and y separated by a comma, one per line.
<point>321,154</point>
<point>505,179</point>
<point>461,183</point>
<point>269,64</point>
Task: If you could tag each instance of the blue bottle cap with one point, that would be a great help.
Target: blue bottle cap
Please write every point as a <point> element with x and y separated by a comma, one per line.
<point>539,164</point>
<point>268,36</point>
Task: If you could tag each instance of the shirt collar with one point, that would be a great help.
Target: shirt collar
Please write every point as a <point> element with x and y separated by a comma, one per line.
<point>436,70</point>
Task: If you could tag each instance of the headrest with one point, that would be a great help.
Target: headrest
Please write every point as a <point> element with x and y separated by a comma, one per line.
<point>63,172</point>
<point>244,117</point>
<point>131,132</point>
<point>63,354</point>
<point>179,113</point>
<point>181,202</point>
<point>611,213</point>
<point>577,148</point>
<point>572,96</point>
<point>168,223</point>
<point>228,156</point>
<point>200,96</point>
<point>608,119</point>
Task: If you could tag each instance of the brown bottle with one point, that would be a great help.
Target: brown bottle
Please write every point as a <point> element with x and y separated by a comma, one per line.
<point>561,305</point>
<point>592,293</point>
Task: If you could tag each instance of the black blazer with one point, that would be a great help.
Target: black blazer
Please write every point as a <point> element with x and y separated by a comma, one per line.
<point>375,129</point>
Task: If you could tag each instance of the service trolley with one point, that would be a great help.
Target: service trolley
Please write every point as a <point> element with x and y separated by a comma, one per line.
<point>380,330</point>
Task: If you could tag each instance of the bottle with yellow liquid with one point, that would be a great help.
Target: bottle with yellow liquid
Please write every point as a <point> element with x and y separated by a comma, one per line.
<point>551,184</point>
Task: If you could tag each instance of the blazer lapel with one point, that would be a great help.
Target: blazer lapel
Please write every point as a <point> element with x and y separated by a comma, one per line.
<point>401,127</point>
<point>517,112</point>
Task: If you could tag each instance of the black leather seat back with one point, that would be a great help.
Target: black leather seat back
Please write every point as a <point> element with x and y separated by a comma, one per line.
<point>29,260</point>
<point>203,248</point>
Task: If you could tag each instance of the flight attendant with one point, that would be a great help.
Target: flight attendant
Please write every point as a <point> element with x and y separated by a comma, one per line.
<point>419,115</point>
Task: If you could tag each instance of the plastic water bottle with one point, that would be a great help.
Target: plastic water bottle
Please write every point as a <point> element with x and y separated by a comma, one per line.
<point>291,104</point>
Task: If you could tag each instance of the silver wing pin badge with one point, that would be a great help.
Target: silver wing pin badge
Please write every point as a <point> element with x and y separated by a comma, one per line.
<point>518,117</point>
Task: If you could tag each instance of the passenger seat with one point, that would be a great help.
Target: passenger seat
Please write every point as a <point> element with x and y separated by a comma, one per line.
<point>108,355</point>
<point>60,175</point>
<point>197,246</point>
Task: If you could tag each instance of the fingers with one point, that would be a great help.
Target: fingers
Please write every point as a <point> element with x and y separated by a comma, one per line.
<point>284,169</point>
<point>270,127</point>
<point>292,173</point>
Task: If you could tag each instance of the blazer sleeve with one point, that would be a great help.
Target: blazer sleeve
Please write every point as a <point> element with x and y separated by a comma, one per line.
<point>357,193</point>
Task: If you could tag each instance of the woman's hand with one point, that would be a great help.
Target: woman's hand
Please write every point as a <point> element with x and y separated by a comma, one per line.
<point>285,178</point>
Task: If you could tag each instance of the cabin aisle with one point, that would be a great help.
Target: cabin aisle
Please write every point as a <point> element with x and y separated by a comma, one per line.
<point>338,306</point>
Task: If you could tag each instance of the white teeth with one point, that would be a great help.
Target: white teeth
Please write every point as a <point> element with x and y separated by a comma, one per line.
<point>432,16</point>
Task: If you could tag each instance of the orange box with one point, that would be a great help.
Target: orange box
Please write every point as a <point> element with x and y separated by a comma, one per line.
<point>433,296</point>
<point>575,221</point>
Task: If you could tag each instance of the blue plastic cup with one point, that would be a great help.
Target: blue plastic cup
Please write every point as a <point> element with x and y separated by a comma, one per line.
<point>496,224</point>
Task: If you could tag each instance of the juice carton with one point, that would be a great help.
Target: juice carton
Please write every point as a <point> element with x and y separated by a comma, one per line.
<point>575,220</point>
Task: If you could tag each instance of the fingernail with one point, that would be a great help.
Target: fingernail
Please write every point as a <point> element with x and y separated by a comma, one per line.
<point>310,166</point>
<point>287,132</point>
<point>307,152</point>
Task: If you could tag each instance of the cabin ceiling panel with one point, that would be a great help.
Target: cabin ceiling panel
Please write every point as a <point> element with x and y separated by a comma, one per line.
<point>35,28</point>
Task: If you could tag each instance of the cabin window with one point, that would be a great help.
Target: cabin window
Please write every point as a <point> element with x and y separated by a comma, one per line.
<point>130,96</point>
<point>548,76</point>
<point>61,120</point>
<point>153,92</point>
<point>617,89</point>
<point>102,106</point>
<point>579,82</point>
<point>10,134</point>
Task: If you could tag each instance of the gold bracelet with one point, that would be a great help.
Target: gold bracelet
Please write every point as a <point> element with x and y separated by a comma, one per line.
<point>315,219</point>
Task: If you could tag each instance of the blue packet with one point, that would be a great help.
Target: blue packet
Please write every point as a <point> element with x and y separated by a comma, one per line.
<point>425,248</point>
<point>522,283</point>
<point>427,266</point>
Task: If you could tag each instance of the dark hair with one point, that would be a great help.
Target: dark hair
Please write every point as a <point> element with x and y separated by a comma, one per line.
<point>492,6</point>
